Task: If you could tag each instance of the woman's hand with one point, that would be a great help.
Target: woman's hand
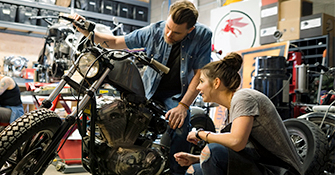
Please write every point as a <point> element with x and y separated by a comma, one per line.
<point>186,159</point>
<point>192,137</point>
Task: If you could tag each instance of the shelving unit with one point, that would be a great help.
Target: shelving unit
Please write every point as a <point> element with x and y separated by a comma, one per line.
<point>312,49</point>
<point>312,52</point>
<point>39,31</point>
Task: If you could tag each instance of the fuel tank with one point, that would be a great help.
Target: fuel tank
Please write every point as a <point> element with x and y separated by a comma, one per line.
<point>126,76</point>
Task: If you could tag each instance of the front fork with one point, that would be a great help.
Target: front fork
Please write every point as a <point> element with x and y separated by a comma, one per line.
<point>49,152</point>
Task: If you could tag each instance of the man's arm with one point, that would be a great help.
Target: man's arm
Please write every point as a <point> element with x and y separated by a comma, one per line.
<point>110,41</point>
<point>192,92</point>
<point>105,40</point>
<point>178,114</point>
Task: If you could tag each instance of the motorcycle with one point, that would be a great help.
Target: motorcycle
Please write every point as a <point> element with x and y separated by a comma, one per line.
<point>117,138</point>
<point>323,116</point>
<point>54,58</point>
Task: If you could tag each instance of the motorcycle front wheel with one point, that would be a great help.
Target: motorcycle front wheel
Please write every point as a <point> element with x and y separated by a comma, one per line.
<point>24,140</point>
<point>310,143</point>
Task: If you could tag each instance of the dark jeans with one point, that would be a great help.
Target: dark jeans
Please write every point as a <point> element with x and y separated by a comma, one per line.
<point>5,114</point>
<point>216,164</point>
<point>177,137</point>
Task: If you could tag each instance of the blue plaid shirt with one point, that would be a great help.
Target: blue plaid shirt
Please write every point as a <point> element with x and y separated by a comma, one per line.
<point>195,53</point>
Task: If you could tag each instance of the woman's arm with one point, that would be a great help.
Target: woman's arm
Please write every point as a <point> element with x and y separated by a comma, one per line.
<point>236,139</point>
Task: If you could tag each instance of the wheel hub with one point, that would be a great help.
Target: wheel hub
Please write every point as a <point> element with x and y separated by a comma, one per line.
<point>24,166</point>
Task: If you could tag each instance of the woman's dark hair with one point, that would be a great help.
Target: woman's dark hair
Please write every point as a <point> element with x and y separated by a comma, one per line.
<point>226,70</point>
<point>184,11</point>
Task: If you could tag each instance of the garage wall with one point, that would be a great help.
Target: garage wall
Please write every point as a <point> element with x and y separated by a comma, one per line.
<point>26,46</point>
<point>29,47</point>
<point>159,10</point>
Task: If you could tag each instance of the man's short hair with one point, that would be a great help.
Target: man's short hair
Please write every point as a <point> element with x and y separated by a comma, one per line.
<point>184,11</point>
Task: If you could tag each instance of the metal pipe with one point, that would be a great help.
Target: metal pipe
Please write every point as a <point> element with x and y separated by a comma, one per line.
<point>321,76</point>
<point>83,102</point>
<point>72,6</point>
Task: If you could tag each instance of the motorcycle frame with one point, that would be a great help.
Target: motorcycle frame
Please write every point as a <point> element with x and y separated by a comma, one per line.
<point>71,118</point>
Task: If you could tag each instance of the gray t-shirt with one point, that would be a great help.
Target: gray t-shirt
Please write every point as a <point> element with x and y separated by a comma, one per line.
<point>268,129</point>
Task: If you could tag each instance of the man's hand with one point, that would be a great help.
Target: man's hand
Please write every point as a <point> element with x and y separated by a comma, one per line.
<point>176,116</point>
<point>186,159</point>
<point>77,17</point>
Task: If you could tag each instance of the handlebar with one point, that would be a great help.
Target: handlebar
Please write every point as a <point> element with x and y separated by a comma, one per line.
<point>157,66</point>
<point>45,18</point>
<point>89,26</point>
<point>83,24</point>
<point>160,66</point>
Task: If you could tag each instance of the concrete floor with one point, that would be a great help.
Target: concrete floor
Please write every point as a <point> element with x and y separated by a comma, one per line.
<point>51,170</point>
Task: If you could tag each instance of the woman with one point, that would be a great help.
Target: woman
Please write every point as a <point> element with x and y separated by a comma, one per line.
<point>11,106</point>
<point>254,142</point>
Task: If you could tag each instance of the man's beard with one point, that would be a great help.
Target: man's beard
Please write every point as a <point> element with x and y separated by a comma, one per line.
<point>166,40</point>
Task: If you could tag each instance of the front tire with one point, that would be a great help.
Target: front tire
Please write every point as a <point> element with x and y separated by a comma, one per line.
<point>310,143</point>
<point>25,139</point>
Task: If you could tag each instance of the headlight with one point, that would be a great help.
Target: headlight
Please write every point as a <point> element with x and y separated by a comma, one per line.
<point>86,60</point>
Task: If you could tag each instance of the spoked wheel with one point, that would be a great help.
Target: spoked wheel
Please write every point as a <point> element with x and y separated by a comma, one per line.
<point>328,127</point>
<point>310,143</point>
<point>24,140</point>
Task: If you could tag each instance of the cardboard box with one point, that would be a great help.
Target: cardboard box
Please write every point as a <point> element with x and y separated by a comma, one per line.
<point>316,25</point>
<point>293,9</point>
<point>64,3</point>
<point>269,13</point>
<point>266,33</point>
<point>290,29</point>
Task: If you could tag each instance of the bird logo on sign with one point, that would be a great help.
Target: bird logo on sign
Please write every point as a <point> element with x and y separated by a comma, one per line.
<point>232,26</point>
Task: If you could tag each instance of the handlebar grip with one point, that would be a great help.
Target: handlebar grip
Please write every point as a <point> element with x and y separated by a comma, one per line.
<point>160,66</point>
<point>85,25</point>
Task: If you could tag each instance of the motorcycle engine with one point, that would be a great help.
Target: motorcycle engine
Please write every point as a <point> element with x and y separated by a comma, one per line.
<point>132,160</point>
<point>122,125</point>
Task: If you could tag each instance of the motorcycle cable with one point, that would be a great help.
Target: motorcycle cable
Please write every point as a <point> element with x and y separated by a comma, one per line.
<point>326,114</point>
<point>287,82</point>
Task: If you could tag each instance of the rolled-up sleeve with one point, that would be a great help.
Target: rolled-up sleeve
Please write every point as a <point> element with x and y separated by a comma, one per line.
<point>138,38</point>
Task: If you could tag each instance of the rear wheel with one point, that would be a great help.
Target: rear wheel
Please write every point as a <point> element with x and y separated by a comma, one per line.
<point>24,140</point>
<point>328,127</point>
<point>310,143</point>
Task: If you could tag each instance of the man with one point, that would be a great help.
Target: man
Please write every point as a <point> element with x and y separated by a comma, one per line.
<point>182,45</point>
